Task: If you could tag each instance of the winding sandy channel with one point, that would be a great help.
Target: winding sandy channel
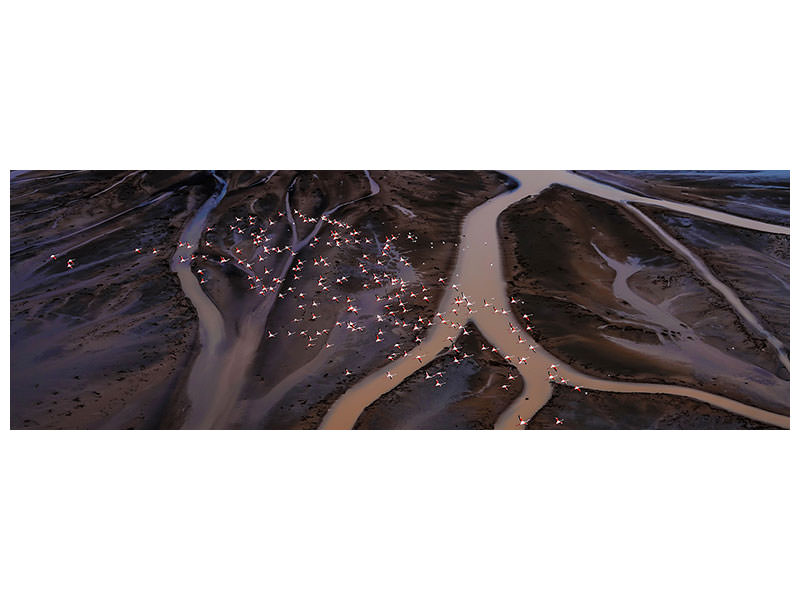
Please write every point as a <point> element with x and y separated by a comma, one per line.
<point>211,324</point>
<point>478,275</point>
<point>218,372</point>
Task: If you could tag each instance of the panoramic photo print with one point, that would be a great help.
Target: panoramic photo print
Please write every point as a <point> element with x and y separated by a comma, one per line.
<point>399,299</point>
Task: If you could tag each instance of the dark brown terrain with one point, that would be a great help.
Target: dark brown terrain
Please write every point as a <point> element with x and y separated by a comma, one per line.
<point>762,195</point>
<point>471,396</point>
<point>680,332</point>
<point>109,342</point>
<point>312,280</point>
<point>609,410</point>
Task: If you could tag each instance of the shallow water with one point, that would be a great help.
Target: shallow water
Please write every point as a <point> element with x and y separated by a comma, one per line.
<point>217,375</point>
<point>478,276</point>
<point>211,325</point>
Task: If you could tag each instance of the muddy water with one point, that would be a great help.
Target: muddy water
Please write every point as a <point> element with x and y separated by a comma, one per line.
<point>218,373</point>
<point>478,275</point>
<point>627,199</point>
<point>684,345</point>
<point>724,290</point>
<point>211,324</point>
<point>259,408</point>
<point>374,188</point>
<point>656,318</point>
<point>611,193</point>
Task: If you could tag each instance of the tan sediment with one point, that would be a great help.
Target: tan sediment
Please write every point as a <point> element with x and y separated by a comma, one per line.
<point>478,276</point>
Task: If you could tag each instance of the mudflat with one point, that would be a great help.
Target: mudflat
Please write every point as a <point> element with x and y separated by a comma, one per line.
<point>613,300</point>
<point>110,341</point>
<point>261,299</point>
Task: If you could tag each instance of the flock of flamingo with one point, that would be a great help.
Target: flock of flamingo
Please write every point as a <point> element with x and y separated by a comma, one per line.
<point>254,243</point>
<point>300,275</point>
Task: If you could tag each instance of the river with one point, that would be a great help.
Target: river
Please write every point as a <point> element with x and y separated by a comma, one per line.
<point>211,324</point>
<point>218,373</point>
<point>478,275</point>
